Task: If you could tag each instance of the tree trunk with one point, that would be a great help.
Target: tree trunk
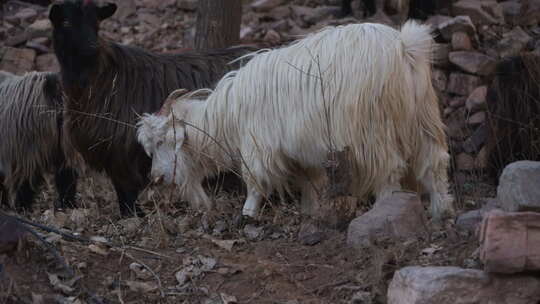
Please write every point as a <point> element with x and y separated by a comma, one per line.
<point>218,23</point>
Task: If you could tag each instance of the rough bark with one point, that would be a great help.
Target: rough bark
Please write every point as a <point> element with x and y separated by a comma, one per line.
<point>218,23</point>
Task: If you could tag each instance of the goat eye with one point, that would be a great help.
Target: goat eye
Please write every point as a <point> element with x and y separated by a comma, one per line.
<point>159,143</point>
<point>66,24</point>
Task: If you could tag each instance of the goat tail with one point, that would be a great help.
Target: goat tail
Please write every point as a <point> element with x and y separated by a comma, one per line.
<point>418,42</point>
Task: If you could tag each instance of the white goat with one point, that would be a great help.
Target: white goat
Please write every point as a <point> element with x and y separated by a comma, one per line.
<point>366,86</point>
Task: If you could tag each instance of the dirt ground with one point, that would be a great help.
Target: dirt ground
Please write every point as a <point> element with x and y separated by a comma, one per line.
<point>174,255</point>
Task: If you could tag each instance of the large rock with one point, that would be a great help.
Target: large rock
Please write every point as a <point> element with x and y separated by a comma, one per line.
<point>510,242</point>
<point>462,84</point>
<point>470,220</point>
<point>530,12</point>
<point>518,188</point>
<point>47,63</point>
<point>440,56</point>
<point>18,61</point>
<point>454,285</point>
<point>477,99</point>
<point>480,11</point>
<point>511,11</point>
<point>398,216</point>
<point>476,141</point>
<point>513,42</point>
<point>473,62</point>
<point>457,24</point>
<point>464,162</point>
<point>477,118</point>
<point>461,42</point>
<point>265,5</point>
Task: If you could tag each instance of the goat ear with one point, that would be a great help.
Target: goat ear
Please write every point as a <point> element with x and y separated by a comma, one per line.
<point>106,10</point>
<point>55,14</point>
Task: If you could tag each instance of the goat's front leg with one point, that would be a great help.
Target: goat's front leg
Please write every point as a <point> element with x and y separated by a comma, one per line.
<point>253,202</point>
<point>198,198</point>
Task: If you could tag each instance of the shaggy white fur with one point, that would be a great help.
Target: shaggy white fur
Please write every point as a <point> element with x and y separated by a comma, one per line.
<point>366,86</point>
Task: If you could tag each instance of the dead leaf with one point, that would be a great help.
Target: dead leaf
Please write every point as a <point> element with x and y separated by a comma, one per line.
<point>140,271</point>
<point>207,263</point>
<point>98,249</point>
<point>431,250</point>
<point>99,239</point>
<point>144,287</point>
<point>225,244</point>
<point>182,276</point>
<point>227,299</point>
<point>58,284</point>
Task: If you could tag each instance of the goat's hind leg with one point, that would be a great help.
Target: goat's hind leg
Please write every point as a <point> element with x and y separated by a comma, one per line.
<point>66,186</point>
<point>440,200</point>
<point>26,192</point>
<point>127,197</point>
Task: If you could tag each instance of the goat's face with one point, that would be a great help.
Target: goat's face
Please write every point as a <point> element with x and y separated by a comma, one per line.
<point>76,25</point>
<point>162,138</point>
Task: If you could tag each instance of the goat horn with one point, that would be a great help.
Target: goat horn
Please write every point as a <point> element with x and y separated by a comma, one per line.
<point>166,108</point>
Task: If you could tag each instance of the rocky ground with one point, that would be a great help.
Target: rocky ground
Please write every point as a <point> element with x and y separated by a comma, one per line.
<point>177,256</point>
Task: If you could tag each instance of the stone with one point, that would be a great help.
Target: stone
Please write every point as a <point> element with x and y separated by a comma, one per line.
<point>440,56</point>
<point>187,5</point>
<point>280,13</point>
<point>272,37</point>
<point>300,14</point>
<point>461,42</point>
<point>477,99</point>
<point>510,242</point>
<point>454,285</point>
<point>457,24</point>
<point>473,62</point>
<point>39,45</point>
<point>477,140</point>
<point>435,20</point>
<point>481,160</point>
<point>457,102</point>
<point>310,234</point>
<point>27,15</point>
<point>457,128</point>
<point>18,61</point>
<point>477,118</point>
<point>462,84</point>
<point>320,13</point>
<point>480,11</point>
<point>398,216</point>
<point>513,42</point>
<point>518,188</point>
<point>470,220</point>
<point>511,11</point>
<point>439,79</point>
<point>529,13</point>
<point>265,5</point>
<point>464,162</point>
<point>42,28</point>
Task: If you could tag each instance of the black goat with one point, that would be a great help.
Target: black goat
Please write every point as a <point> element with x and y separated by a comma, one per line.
<point>108,86</point>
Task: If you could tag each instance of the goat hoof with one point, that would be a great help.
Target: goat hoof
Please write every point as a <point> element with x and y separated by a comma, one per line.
<point>249,212</point>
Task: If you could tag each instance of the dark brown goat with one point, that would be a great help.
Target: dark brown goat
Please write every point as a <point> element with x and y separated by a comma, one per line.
<point>514,112</point>
<point>31,132</point>
<point>109,85</point>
